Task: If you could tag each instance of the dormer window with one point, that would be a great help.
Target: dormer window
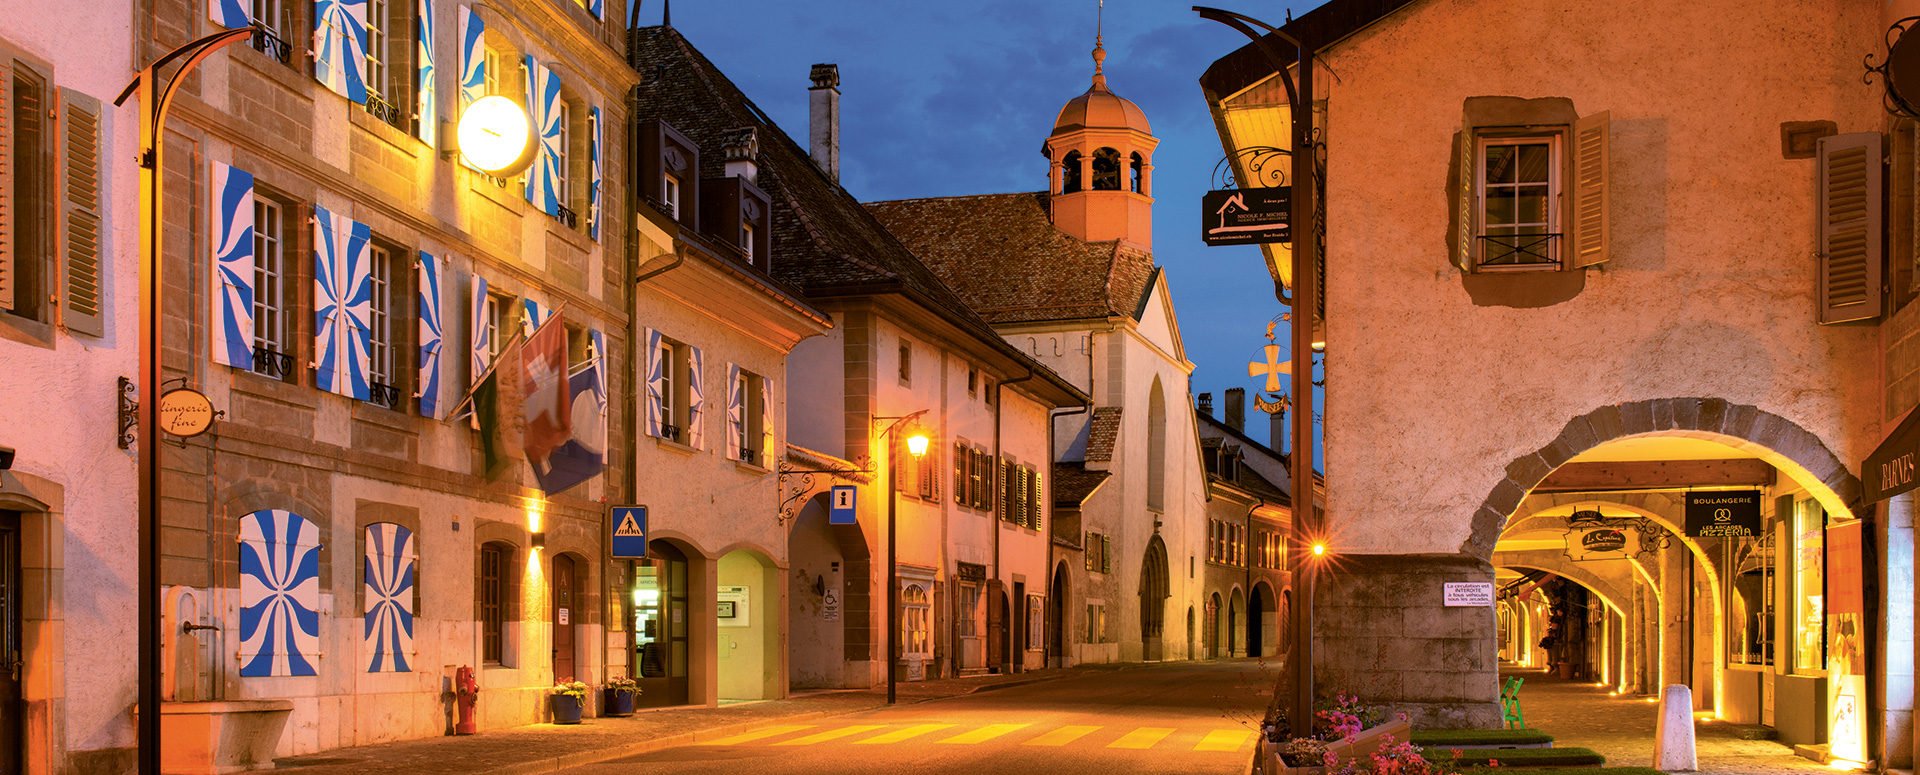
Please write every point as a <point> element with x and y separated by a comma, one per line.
<point>671,196</point>
<point>669,172</point>
<point>736,213</point>
<point>746,241</point>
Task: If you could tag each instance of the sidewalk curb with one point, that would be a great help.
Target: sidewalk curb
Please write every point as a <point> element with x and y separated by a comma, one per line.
<point>582,758</point>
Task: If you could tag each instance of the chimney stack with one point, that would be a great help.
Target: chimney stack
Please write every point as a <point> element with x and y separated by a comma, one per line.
<point>1237,409</point>
<point>1206,404</point>
<point>824,119</point>
<point>741,148</point>
<point>1277,431</point>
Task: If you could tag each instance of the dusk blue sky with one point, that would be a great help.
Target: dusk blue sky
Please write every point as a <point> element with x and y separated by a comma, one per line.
<point>945,99</point>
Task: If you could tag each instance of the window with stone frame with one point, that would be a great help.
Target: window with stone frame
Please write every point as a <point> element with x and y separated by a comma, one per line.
<point>275,280</point>
<point>1517,181</point>
<point>386,317</point>
<point>389,76</point>
<point>280,18</point>
<point>495,593</point>
<point>1532,178</point>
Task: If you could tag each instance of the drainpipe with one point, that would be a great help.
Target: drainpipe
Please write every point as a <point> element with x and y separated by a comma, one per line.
<point>1000,502</point>
<point>1053,417</point>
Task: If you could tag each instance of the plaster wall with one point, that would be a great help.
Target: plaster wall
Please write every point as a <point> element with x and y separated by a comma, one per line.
<point>816,391</point>
<point>1709,291</point>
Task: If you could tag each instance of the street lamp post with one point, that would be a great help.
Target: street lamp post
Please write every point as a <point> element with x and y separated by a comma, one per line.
<point>1307,546</point>
<point>155,97</point>
<point>917,445</point>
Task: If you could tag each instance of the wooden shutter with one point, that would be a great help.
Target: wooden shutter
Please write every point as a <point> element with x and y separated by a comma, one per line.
<point>9,212</point>
<point>1465,200</point>
<point>736,411</point>
<point>1087,549</point>
<point>81,243</point>
<point>1037,504</point>
<point>1590,157</point>
<point>960,473</point>
<point>1850,227</point>
<point>1003,487</point>
<point>1106,554</point>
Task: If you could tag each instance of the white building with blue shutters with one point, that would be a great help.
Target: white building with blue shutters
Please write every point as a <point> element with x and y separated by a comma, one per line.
<point>339,282</point>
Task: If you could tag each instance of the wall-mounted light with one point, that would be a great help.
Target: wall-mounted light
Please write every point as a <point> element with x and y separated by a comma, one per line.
<point>540,539</point>
<point>6,458</point>
<point>496,136</point>
<point>917,442</point>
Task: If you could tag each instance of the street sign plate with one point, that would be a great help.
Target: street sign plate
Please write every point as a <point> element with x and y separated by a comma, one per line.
<point>629,540</point>
<point>840,512</point>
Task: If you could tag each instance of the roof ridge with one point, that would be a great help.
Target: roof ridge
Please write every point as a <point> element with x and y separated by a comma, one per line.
<point>954,197</point>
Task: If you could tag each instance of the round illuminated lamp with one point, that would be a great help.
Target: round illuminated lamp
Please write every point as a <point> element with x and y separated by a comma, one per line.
<point>496,136</point>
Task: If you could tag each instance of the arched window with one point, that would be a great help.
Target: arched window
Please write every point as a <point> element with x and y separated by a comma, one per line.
<point>1106,170</point>
<point>1139,171</point>
<point>1070,173</point>
<point>1157,448</point>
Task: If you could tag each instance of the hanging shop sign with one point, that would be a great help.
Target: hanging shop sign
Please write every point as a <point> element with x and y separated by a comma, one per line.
<point>1604,539</point>
<point>185,412</point>
<point>840,511</point>
<point>1247,216</point>
<point>1889,471</point>
<point>1723,513</point>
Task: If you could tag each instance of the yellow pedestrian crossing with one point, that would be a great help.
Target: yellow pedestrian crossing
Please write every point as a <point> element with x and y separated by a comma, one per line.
<point>902,734</point>
<point>1224,740</point>
<point>1140,738</point>
<point>758,734</point>
<point>831,735</point>
<point>1143,737</point>
<point>984,734</point>
<point>1062,736</point>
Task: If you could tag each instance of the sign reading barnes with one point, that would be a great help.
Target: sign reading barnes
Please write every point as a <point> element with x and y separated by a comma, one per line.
<point>1724,513</point>
<point>1247,216</point>
<point>1890,470</point>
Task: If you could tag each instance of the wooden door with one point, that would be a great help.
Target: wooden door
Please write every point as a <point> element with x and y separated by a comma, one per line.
<point>12,703</point>
<point>564,617</point>
<point>996,625</point>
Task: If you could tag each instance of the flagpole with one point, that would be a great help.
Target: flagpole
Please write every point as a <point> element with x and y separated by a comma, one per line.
<point>520,339</point>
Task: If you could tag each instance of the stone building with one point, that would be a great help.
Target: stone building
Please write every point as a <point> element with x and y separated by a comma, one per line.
<point>1067,276</point>
<point>1249,518</point>
<point>1540,347</point>
<point>904,356</point>
<point>335,547</point>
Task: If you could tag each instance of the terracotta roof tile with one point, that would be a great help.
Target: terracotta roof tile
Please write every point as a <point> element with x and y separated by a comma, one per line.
<point>1105,434</point>
<point>1073,483</point>
<point>1002,254</point>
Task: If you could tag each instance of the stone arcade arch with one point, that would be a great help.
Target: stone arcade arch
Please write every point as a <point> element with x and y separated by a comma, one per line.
<point>828,600</point>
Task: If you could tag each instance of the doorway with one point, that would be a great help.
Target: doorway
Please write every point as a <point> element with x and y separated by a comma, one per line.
<point>1256,622</point>
<point>1153,599</point>
<point>660,626</point>
<point>12,704</point>
<point>563,619</point>
<point>1057,619</point>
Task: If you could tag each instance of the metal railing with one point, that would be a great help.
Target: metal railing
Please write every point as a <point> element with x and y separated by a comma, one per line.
<point>1518,249</point>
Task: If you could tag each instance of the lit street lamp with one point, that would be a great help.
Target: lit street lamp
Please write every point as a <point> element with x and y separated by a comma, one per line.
<point>917,446</point>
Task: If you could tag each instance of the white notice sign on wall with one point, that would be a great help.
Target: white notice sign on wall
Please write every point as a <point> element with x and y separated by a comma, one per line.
<point>1469,593</point>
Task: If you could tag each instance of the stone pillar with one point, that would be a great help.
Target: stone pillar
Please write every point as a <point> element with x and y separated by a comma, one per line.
<point>1384,631</point>
<point>1894,534</point>
<point>1146,179</point>
<point>1676,665</point>
<point>1086,169</point>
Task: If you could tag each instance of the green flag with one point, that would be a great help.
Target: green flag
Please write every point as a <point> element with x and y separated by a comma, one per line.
<point>486,409</point>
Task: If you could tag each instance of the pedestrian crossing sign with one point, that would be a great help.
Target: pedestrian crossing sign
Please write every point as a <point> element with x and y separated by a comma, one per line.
<point>840,511</point>
<point>629,540</point>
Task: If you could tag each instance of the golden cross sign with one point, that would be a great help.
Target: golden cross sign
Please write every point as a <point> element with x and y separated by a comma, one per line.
<point>1273,368</point>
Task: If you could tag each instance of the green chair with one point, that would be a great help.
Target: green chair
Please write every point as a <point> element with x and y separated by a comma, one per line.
<point>1510,704</point>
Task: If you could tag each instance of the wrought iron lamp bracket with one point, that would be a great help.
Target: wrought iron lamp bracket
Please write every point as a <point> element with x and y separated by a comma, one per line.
<point>793,496</point>
<point>1894,104</point>
<point>1266,167</point>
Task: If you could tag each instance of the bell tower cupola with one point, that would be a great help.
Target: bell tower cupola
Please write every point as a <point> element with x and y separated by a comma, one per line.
<point>1100,156</point>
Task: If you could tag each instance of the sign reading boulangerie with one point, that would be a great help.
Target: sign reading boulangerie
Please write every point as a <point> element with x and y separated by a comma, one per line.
<point>1723,513</point>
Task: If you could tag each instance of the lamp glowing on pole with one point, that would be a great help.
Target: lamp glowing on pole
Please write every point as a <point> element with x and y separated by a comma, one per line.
<point>496,136</point>
<point>917,446</point>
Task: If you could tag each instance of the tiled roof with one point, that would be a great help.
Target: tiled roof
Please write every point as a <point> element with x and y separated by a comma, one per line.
<point>1002,254</point>
<point>1104,435</point>
<point>824,241</point>
<point>1251,481</point>
<point>1073,483</point>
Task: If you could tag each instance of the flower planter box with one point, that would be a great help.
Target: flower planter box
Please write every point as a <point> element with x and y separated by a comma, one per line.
<point>616,703</point>
<point>566,708</point>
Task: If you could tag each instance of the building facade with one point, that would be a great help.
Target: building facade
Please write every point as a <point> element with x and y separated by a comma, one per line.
<point>1249,519</point>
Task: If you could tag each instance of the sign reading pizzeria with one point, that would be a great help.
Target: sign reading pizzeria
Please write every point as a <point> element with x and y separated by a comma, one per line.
<point>1723,513</point>
<point>185,412</point>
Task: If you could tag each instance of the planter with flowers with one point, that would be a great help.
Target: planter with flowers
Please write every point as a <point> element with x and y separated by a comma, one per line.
<point>619,694</point>
<point>1347,738</point>
<point>567,699</point>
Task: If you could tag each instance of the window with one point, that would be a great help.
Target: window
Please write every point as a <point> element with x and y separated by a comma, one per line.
<point>1518,180</point>
<point>973,381</point>
<point>26,279</point>
<point>1809,586</point>
<point>1106,170</point>
<point>1139,168</point>
<point>277,17</point>
<point>1070,173</point>
<point>969,621</point>
<point>916,632</point>
<point>1096,623</point>
<point>906,362</point>
<point>496,573</point>
<point>675,398</point>
<point>928,469</point>
<point>1750,617</point>
<point>272,312</point>
<point>1099,552</point>
<point>671,197</point>
<point>562,184</point>
<point>377,60</point>
<point>749,425</point>
<point>1036,622</point>
<point>495,67</point>
<point>386,342</point>
<point>746,241</point>
<point>389,44</point>
<point>669,398</point>
<point>499,325</point>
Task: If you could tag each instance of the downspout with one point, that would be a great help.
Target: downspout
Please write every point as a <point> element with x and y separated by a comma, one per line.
<point>1059,625</point>
<point>1000,504</point>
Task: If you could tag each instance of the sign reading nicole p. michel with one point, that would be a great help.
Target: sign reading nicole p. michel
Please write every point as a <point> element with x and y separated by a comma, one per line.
<point>1723,513</point>
<point>1247,216</point>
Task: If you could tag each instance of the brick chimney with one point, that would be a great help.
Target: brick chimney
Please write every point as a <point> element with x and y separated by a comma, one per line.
<point>1277,431</point>
<point>823,126</point>
<point>741,148</point>
<point>1237,409</point>
<point>1206,404</point>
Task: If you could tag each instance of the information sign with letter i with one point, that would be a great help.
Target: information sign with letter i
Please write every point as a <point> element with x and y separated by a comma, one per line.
<point>841,510</point>
<point>629,532</point>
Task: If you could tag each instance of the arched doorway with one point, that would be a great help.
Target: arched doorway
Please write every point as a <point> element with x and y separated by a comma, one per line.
<point>1236,631</point>
<point>748,640</point>
<point>1153,600</point>
<point>1057,618</point>
<point>1258,619</point>
<point>661,627</point>
<point>1211,632</point>
<point>828,595</point>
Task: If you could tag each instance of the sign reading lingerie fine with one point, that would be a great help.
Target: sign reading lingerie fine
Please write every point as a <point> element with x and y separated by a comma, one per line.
<point>1723,514</point>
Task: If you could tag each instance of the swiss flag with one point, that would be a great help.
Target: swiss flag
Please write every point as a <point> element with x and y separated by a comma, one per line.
<point>548,405</point>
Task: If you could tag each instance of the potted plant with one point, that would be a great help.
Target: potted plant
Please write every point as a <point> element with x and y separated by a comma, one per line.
<point>566,699</point>
<point>620,693</point>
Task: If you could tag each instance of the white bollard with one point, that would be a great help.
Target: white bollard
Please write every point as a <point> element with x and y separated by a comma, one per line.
<point>1673,749</point>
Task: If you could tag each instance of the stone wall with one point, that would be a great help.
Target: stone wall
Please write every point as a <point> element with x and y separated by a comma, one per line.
<point>1383,633</point>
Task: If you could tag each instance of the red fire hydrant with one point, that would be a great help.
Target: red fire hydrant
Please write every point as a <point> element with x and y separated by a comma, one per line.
<point>466,692</point>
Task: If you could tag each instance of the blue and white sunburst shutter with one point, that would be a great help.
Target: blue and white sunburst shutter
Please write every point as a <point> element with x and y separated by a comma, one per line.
<point>431,340</point>
<point>327,299</point>
<point>479,334</point>
<point>532,316</point>
<point>342,304</point>
<point>543,102</point>
<point>388,579</point>
<point>429,97</point>
<point>595,136</point>
<point>656,382</point>
<point>340,47</point>
<point>233,267</point>
<point>736,411</point>
<point>231,14</point>
<point>356,281</point>
<point>696,402</point>
<point>279,595</point>
<point>473,57</point>
<point>766,422</point>
<point>597,8</point>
